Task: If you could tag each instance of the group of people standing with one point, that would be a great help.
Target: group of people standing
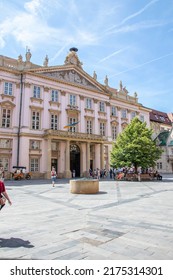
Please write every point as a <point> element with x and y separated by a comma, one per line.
<point>97,173</point>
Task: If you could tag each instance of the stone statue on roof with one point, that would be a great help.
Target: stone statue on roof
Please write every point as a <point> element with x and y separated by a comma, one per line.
<point>95,75</point>
<point>28,55</point>
<point>20,58</point>
<point>72,58</point>
<point>106,81</point>
<point>121,85</point>
<point>46,60</point>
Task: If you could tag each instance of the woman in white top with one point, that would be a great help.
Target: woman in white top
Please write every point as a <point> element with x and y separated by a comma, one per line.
<point>53,176</point>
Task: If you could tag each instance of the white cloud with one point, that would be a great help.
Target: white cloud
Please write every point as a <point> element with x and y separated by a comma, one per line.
<point>139,12</point>
<point>133,15</point>
<point>138,26</point>
<point>143,64</point>
<point>33,6</point>
<point>112,54</point>
<point>31,26</point>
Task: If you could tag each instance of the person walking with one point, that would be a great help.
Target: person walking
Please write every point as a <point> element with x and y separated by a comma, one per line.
<point>3,195</point>
<point>53,176</point>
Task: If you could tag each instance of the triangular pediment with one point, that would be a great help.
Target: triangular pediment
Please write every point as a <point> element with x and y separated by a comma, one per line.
<point>75,77</point>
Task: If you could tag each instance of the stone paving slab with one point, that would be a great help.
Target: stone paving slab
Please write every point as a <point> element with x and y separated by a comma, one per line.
<point>125,220</point>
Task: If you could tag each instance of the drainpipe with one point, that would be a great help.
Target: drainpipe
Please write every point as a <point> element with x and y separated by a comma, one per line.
<point>20,114</point>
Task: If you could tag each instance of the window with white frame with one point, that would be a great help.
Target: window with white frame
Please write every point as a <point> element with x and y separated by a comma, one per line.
<point>101,106</point>
<point>8,88</point>
<point>89,126</point>
<point>54,121</point>
<point>133,115</point>
<point>54,95</point>
<point>159,165</point>
<point>113,111</point>
<point>72,100</point>
<point>34,144</point>
<point>142,118</point>
<point>5,143</point>
<point>72,128</point>
<point>34,164</point>
<point>6,118</point>
<point>114,132</point>
<point>4,161</point>
<point>37,92</point>
<point>102,128</point>
<point>88,103</point>
<point>124,113</point>
<point>35,119</point>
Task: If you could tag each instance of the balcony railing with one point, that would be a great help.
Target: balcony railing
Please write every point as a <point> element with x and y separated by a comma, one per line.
<point>75,135</point>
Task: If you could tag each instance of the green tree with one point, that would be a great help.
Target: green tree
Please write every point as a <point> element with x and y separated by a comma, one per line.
<point>135,146</point>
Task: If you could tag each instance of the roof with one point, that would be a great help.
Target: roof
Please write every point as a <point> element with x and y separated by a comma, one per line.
<point>161,117</point>
<point>163,137</point>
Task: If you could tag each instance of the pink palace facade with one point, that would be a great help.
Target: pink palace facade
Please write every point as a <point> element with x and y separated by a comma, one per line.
<point>36,102</point>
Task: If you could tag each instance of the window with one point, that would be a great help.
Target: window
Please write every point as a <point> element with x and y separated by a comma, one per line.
<point>102,106</point>
<point>72,128</point>
<point>72,100</point>
<point>88,103</point>
<point>34,144</point>
<point>54,121</point>
<point>34,165</point>
<point>54,96</point>
<point>102,129</point>
<point>162,118</point>
<point>89,127</point>
<point>5,163</point>
<point>35,120</point>
<point>6,118</point>
<point>124,114</point>
<point>5,143</point>
<point>133,115</point>
<point>8,88</point>
<point>114,132</point>
<point>113,111</point>
<point>141,118</point>
<point>36,92</point>
<point>159,165</point>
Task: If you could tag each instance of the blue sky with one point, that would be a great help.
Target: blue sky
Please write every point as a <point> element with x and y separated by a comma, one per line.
<point>127,40</point>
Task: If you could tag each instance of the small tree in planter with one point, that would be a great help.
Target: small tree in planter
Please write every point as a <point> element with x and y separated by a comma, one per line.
<point>135,146</point>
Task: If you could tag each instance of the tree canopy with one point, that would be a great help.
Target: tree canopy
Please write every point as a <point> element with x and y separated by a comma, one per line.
<point>135,146</point>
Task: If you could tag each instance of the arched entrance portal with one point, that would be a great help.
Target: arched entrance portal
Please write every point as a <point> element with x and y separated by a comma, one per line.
<point>75,159</point>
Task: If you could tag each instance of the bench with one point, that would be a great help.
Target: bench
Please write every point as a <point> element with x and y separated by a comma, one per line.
<point>146,176</point>
<point>131,177</point>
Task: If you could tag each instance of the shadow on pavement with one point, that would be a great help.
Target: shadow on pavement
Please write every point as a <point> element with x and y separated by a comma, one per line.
<point>14,243</point>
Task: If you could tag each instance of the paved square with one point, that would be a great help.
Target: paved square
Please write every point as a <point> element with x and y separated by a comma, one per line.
<point>125,220</point>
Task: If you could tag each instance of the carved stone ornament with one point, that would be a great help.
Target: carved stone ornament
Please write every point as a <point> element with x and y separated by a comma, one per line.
<point>72,58</point>
<point>70,76</point>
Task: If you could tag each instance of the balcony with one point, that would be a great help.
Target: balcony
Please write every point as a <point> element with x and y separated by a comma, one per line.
<point>72,108</point>
<point>61,134</point>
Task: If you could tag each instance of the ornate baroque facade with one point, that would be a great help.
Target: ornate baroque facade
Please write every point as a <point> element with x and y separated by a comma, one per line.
<point>37,102</point>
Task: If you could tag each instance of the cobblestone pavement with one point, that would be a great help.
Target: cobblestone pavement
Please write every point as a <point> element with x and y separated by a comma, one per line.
<point>125,220</point>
